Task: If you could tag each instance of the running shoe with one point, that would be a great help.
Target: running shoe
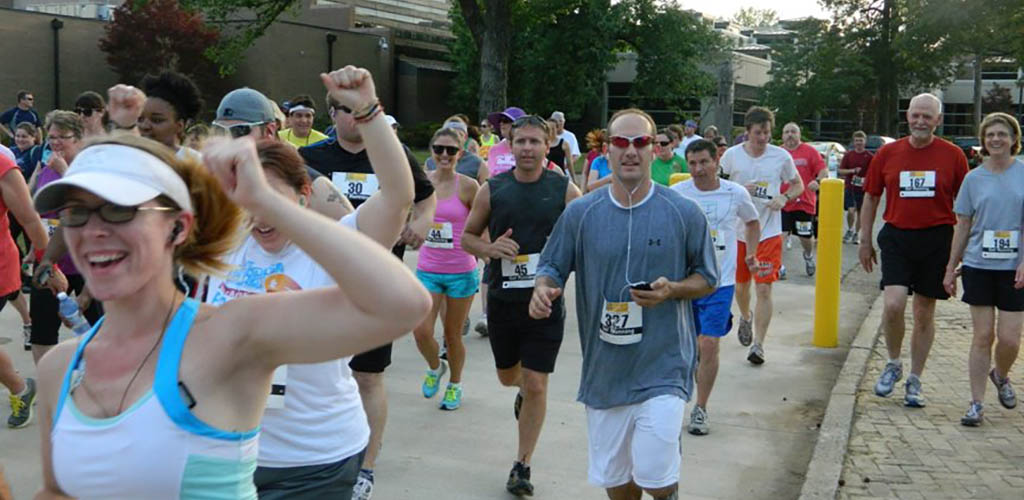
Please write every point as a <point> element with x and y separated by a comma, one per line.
<point>518,405</point>
<point>21,406</point>
<point>746,331</point>
<point>481,325</point>
<point>432,382</point>
<point>789,243</point>
<point>452,397</point>
<point>26,333</point>
<point>848,236</point>
<point>913,399</point>
<point>519,480</point>
<point>1007,396</point>
<point>974,414</point>
<point>756,354</point>
<point>782,272</point>
<point>698,421</point>
<point>363,489</point>
<point>809,264</point>
<point>892,373</point>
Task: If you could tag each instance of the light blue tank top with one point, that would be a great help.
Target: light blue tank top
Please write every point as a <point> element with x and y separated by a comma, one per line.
<point>156,449</point>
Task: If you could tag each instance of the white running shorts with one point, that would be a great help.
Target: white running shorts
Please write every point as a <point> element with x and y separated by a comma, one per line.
<point>639,443</point>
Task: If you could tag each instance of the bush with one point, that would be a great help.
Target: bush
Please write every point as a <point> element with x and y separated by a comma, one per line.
<point>418,136</point>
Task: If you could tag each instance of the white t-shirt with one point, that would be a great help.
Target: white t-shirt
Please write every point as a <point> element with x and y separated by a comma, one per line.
<point>322,420</point>
<point>768,172</point>
<point>728,209</point>
<point>685,141</point>
<point>571,138</point>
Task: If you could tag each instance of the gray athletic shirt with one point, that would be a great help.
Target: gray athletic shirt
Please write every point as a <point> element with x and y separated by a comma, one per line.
<point>995,202</point>
<point>670,238</point>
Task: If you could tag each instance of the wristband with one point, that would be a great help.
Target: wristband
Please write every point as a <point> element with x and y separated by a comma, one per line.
<point>39,254</point>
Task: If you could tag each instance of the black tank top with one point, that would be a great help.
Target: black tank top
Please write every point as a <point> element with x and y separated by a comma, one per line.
<point>556,154</point>
<point>531,210</point>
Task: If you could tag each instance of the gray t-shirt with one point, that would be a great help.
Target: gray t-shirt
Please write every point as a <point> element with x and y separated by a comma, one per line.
<point>670,238</point>
<point>995,203</point>
<point>468,164</point>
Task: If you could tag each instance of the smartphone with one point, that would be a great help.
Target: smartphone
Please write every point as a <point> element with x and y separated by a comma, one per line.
<point>641,285</point>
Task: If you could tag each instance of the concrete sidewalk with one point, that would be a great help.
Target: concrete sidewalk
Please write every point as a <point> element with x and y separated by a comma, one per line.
<point>906,453</point>
<point>764,420</point>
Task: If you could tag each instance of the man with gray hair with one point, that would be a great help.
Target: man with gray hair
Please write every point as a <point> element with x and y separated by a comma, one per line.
<point>559,118</point>
<point>920,175</point>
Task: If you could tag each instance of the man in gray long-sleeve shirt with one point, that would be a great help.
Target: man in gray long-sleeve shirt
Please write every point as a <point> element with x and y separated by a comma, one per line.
<point>641,252</point>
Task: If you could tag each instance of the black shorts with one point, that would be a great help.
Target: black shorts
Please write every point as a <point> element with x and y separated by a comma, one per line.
<point>8,298</point>
<point>853,198</point>
<point>334,480</point>
<point>789,223</point>
<point>916,258</point>
<point>517,338</point>
<point>373,361</point>
<point>43,309</point>
<point>986,287</point>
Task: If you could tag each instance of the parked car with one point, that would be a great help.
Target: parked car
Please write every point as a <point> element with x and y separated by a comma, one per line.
<point>971,147</point>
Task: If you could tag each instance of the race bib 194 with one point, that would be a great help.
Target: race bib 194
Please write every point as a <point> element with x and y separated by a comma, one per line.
<point>999,244</point>
<point>519,273</point>
<point>622,323</point>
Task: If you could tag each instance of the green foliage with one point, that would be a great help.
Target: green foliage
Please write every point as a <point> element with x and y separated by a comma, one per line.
<point>818,73</point>
<point>998,99</point>
<point>418,136</point>
<point>752,17</point>
<point>239,32</point>
<point>151,36</point>
<point>465,58</point>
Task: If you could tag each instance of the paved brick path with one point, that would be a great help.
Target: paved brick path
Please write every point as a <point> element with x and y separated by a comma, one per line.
<point>898,452</point>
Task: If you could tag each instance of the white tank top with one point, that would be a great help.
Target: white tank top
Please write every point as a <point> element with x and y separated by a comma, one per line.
<point>156,449</point>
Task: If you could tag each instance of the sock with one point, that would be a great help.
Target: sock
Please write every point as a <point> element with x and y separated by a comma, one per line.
<point>368,473</point>
<point>896,362</point>
<point>457,385</point>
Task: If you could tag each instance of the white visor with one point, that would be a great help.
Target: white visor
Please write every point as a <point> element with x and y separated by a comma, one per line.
<point>122,175</point>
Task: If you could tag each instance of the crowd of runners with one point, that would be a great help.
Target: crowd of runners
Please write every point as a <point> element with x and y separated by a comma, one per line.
<point>242,288</point>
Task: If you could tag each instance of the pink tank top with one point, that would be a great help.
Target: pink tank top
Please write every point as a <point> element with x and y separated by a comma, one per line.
<point>442,251</point>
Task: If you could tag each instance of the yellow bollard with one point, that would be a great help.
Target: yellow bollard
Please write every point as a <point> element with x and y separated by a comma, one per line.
<point>830,264</point>
<point>678,177</point>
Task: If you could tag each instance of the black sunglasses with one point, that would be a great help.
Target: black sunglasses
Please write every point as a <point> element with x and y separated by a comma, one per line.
<point>78,216</point>
<point>664,144</point>
<point>451,150</point>
<point>86,112</point>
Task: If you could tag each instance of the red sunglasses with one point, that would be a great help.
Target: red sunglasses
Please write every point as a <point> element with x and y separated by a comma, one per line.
<point>639,141</point>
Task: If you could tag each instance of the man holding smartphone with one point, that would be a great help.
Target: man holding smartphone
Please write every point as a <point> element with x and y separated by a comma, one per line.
<point>641,253</point>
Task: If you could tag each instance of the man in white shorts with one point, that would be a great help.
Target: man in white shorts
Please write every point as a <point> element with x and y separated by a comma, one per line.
<point>633,298</point>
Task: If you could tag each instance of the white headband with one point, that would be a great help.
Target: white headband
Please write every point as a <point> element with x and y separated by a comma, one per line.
<point>300,108</point>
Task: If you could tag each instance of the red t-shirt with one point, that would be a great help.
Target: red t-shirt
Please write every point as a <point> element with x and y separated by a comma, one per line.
<point>859,161</point>
<point>809,163</point>
<point>919,184</point>
<point>10,268</point>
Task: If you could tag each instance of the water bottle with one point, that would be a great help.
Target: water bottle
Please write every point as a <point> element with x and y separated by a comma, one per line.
<point>69,310</point>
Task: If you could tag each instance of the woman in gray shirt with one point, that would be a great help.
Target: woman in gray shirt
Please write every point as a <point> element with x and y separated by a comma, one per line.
<point>990,214</point>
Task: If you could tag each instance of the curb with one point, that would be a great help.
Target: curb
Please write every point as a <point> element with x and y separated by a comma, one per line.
<point>823,472</point>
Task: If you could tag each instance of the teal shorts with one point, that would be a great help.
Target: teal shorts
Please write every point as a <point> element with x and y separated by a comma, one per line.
<point>456,286</point>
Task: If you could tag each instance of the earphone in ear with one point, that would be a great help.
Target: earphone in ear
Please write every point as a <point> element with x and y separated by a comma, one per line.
<point>178,228</point>
<point>302,201</point>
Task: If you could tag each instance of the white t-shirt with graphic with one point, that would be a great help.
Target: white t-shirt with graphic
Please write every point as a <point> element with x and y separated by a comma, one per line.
<point>322,420</point>
<point>728,209</point>
<point>767,172</point>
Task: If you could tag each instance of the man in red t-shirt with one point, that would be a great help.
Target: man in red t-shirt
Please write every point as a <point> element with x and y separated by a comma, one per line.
<point>854,169</point>
<point>920,176</point>
<point>798,214</point>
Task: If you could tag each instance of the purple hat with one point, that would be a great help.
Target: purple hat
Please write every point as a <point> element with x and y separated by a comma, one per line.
<point>691,123</point>
<point>513,113</point>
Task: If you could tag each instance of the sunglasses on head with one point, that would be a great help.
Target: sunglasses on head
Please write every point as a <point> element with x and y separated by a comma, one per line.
<point>78,216</point>
<point>86,112</point>
<point>451,150</point>
<point>235,131</point>
<point>638,141</point>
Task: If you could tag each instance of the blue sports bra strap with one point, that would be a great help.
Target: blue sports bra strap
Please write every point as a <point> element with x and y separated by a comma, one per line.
<point>165,380</point>
<point>65,387</point>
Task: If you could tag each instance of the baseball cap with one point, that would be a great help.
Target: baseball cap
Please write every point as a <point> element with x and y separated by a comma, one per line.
<point>558,116</point>
<point>691,123</point>
<point>247,105</point>
<point>122,175</point>
<point>512,113</point>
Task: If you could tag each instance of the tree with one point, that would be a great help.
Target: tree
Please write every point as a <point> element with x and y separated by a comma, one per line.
<point>752,17</point>
<point>150,36</point>
<point>818,74</point>
<point>489,24</point>
<point>238,35</point>
<point>998,99</point>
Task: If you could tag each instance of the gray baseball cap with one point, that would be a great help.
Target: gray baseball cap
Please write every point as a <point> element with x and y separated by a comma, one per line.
<point>247,105</point>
